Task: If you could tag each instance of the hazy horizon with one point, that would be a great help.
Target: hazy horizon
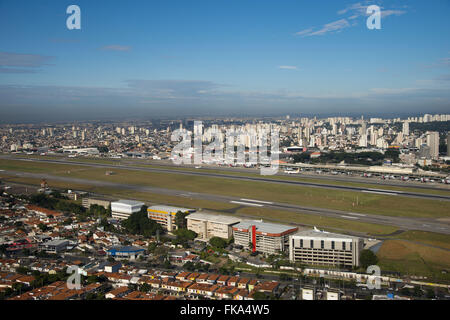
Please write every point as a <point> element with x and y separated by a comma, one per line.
<point>152,59</point>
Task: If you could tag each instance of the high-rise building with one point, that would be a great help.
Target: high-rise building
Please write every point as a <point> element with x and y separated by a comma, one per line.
<point>405,128</point>
<point>433,143</point>
<point>448,144</point>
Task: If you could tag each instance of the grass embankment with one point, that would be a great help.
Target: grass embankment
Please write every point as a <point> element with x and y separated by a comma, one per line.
<point>415,259</point>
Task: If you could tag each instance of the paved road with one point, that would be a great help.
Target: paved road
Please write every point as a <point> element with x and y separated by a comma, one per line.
<point>246,178</point>
<point>400,222</point>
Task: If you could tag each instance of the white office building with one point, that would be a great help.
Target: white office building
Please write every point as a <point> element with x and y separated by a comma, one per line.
<point>122,209</point>
<point>314,247</point>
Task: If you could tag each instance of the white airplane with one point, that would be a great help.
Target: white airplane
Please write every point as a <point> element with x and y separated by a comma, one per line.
<point>317,230</point>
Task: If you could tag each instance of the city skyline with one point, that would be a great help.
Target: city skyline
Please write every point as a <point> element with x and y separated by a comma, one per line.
<point>169,59</point>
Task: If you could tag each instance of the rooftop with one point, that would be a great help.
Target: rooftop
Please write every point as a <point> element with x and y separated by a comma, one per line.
<point>213,218</point>
<point>312,233</point>
<point>264,226</point>
<point>125,249</point>
<point>170,209</point>
<point>129,202</point>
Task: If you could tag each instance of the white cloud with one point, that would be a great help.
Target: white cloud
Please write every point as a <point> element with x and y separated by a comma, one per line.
<point>332,26</point>
<point>354,11</point>
<point>304,32</point>
<point>288,67</point>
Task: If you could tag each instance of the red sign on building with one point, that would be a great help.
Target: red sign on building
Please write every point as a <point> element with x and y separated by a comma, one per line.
<point>254,238</point>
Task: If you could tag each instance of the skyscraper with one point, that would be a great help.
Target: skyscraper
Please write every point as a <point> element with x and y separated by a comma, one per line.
<point>433,143</point>
<point>448,144</point>
<point>405,128</point>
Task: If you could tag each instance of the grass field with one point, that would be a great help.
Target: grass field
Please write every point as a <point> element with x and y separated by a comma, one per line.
<point>311,197</point>
<point>279,216</point>
<point>414,259</point>
<point>330,224</point>
<point>431,238</point>
<point>144,164</point>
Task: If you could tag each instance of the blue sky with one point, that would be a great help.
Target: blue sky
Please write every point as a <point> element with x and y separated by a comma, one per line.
<point>142,59</point>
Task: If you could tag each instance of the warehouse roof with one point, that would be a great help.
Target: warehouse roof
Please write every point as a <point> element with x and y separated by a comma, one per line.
<point>213,218</point>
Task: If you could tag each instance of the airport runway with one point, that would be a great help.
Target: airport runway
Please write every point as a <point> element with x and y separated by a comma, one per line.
<point>247,178</point>
<point>421,224</point>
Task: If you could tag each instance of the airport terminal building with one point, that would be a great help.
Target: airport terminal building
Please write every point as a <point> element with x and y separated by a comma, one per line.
<point>314,247</point>
<point>211,225</point>
<point>268,238</point>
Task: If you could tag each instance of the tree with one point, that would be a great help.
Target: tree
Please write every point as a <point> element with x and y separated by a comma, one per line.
<point>184,235</point>
<point>151,247</point>
<point>218,242</point>
<point>103,149</point>
<point>180,219</point>
<point>3,248</point>
<point>367,258</point>
<point>258,295</point>
<point>139,223</point>
<point>98,211</point>
<point>145,287</point>
<point>284,277</point>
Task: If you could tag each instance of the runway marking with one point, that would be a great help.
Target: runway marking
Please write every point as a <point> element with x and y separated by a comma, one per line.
<point>379,192</point>
<point>348,217</point>
<point>258,201</point>
<point>247,203</point>
<point>384,190</point>
<point>356,214</point>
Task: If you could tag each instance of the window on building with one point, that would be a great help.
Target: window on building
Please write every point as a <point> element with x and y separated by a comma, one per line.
<point>332,245</point>
<point>351,245</point>
<point>322,244</point>
<point>312,243</point>
<point>301,243</point>
<point>343,246</point>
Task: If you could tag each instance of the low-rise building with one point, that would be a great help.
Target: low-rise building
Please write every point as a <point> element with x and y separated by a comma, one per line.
<point>211,225</point>
<point>125,252</point>
<point>268,238</point>
<point>165,215</point>
<point>316,247</point>
<point>54,246</point>
<point>122,209</point>
<point>87,202</point>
